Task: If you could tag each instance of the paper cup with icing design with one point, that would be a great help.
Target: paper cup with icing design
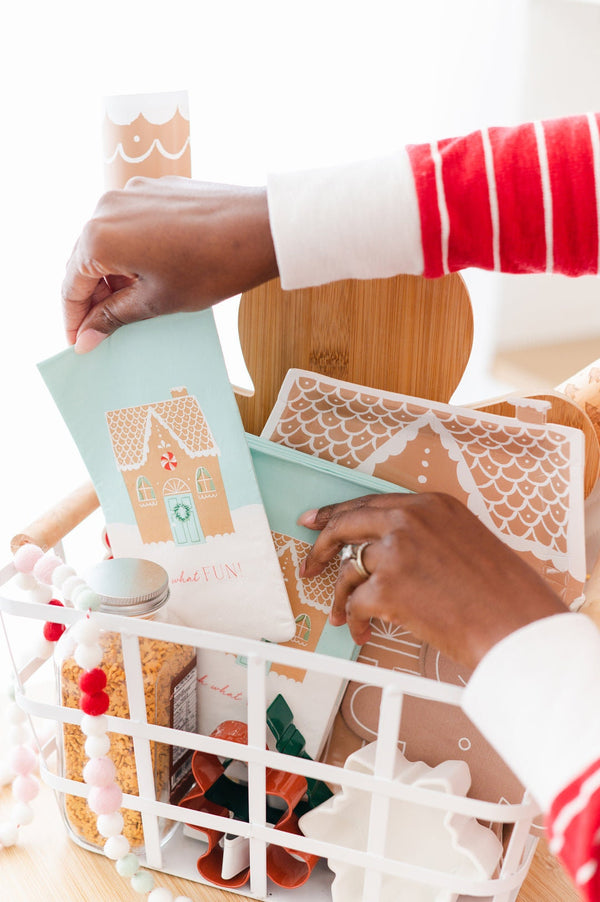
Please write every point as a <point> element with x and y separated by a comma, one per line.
<point>146,135</point>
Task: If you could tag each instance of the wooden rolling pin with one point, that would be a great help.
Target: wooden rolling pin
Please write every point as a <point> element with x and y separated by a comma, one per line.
<point>57,522</point>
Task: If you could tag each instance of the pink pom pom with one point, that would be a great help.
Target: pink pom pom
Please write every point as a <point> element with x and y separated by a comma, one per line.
<point>105,799</point>
<point>45,567</point>
<point>99,772</point>
<point>26,557</point>
<point>22,760</point>
<point>25,788</point>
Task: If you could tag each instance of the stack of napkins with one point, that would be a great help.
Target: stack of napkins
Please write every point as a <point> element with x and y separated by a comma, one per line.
<point>156,422</point>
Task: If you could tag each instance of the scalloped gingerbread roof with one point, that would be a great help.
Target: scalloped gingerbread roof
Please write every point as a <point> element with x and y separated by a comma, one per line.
<point>181,416</point>
<point>316,592</point>
<point>516,475</point>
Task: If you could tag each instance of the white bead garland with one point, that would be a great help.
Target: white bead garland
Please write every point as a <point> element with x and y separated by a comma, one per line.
<point>37,574</point>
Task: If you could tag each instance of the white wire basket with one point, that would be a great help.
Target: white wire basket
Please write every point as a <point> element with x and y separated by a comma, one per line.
<point>179,854</point>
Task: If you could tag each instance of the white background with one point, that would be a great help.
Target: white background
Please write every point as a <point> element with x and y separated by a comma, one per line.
<point>272,85</point>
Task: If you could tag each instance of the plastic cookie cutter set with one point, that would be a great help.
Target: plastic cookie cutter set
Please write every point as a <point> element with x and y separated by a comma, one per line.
<point>221,789</point>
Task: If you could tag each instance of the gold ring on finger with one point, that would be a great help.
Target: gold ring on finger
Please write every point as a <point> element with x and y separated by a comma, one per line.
<point>358,562</point>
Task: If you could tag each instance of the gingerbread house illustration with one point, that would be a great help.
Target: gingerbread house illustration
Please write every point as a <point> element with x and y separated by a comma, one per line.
<point>516,476</point>
<point>170,465</point>
<point>310,599</point>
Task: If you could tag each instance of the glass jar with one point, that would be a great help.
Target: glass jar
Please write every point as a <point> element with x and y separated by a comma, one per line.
<point>134,588</point>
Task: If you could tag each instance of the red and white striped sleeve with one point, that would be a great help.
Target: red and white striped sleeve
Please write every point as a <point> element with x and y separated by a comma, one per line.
<point>573,829</point>
<point>536,697</point>
<point>522,199</point>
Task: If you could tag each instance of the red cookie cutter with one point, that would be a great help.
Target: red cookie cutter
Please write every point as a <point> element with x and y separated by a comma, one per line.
<point>287,868</point>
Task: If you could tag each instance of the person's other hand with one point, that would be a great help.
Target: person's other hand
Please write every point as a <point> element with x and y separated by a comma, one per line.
<point>163,246</point>
<point>434,568</point>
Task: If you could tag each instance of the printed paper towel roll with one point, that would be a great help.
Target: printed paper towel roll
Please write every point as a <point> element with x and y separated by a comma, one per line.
<point>146,135</point>
<point>584,389</point>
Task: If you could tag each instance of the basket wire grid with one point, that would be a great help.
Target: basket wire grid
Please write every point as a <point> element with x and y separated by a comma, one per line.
<point>178,855</point>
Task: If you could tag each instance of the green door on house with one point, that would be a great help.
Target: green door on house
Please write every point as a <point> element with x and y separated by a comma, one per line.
<point>183,519</point>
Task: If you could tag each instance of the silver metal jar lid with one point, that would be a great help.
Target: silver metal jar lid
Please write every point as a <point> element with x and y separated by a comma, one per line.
<point>129,586</point>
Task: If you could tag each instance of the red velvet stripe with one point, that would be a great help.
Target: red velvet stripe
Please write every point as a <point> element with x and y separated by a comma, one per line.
<point>520,199</point>
<point>580,844</point>
<point>425,183</point>
<point>468,201</point>
<point>575,223</point>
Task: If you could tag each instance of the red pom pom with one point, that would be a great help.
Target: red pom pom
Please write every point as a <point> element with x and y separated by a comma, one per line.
<point>53,631</point>
<point>95,704</point>
<point>92,681</point>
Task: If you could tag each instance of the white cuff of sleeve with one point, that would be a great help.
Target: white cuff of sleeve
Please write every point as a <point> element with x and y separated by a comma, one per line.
<point>536,697</point>
<point>357,221</point>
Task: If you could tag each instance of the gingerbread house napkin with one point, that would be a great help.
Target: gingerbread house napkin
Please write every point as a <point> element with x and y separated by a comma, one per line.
<point>156,422</point>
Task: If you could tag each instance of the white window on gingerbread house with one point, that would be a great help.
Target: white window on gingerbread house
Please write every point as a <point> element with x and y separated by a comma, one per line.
<point>303,626</point>
<point>145,492</point>
<point>204,482</point>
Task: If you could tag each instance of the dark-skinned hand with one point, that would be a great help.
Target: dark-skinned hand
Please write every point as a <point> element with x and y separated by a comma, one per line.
<point>435,569</point>
<point>164,246</point>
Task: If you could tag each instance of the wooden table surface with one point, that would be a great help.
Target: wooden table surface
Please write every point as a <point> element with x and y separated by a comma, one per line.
<point>48,866</point>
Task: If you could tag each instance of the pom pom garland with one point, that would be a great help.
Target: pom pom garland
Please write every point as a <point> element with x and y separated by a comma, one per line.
<point>85,599</point>
<point>88,657</point>
<point>26,557</point>
<point>94,704</point>
<point>160,894</point>
<point>86,632</point>
<point>142,882</point>
<point>38,573</point>
<point>53,631</point>
<point>9,833</point>
<point>25,788</point>
<point>56,603</point>
<point>61,574</point>
<point>69,586</point>
<point>99,772</point>
<point>116,847</point>
<point>110,824</point>
<point>94,726</point>
<point>22,814</point>
<point>45,566</point>
<point>105,799</point>
<point>97,746</point>
<point>26,581</point>
<point>22,759</point>
<point>92,681</point>
<point>128,865</point>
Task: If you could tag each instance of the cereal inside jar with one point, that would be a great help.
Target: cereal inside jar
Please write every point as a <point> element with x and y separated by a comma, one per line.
<point>135,588</point>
